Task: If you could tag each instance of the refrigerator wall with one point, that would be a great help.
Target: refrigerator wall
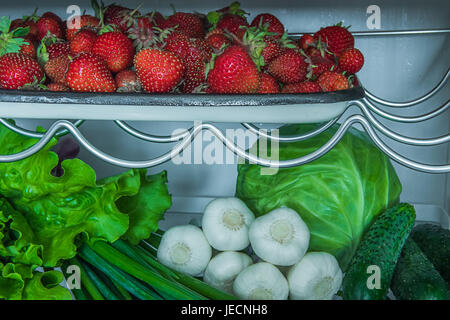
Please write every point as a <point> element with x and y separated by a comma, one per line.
<point>397,68</point>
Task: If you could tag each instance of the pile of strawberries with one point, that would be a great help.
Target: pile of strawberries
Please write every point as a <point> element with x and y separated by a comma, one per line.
<point>120,49</point>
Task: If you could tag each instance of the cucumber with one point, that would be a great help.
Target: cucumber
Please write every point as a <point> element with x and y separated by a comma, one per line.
<point>434,242</point>
<point>377,254</point>
<point>415,277</point>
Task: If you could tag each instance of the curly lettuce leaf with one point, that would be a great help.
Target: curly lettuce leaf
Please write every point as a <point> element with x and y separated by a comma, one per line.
<point>146,208</point>
<point>46,286</point>
<point>58,209</point>
<point>11,283</point>
<point>338,195</point>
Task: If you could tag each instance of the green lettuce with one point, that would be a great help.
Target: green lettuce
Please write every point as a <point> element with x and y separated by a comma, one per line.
<point>146,208</point>
<point>338,195</point>
<point>60,209</point>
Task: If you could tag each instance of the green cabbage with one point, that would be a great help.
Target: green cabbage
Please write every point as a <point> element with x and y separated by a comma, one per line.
<point>338,195</point>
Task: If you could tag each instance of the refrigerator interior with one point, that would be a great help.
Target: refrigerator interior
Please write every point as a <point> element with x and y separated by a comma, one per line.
<point>397,68</point>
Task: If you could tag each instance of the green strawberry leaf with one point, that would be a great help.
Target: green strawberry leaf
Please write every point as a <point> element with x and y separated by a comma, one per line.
<point>21,32</point>
<point>5,23</point>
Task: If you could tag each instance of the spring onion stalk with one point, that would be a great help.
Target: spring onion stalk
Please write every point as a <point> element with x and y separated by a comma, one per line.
<point>102,287</point>
<point>149,262</point>
<point>124,293</point>
<point>140,255</point>
<point>125,280</point>
<point>112,285</point>
<point>129,250</point>
<point>190,282</point>
<point>86,282</point>
<point>130,266</point>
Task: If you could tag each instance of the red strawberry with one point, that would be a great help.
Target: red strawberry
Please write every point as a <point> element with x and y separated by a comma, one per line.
<point>232,23</point>
<point>17,70</point>
<point>157,70</point>
<point>20,23</point>
<point>28,49</point>
<point>119,16</point>
<point>58,48</point>
<point>186,22</point>
<point>289,67</point>
<point>332,81</point>
<point>89,73</point>
<point>301,87</point>
<point>336,38</point>
<point>351,60</point>
<point>234,72</point>
<point>218,40</point>
<point>86,22</point>
<point>83,41</point>
<point>57,87</point>
<point>116,49</point>
<point>274,25</point>
<point>272,49</point>
<point>268,84</point>
<point>56,68</point>
<point>52,16</point>
<point>319,65</point>
<point>48,25</point>
<point>127,81</point>
<point>142,32</point>
<point>305,41</point>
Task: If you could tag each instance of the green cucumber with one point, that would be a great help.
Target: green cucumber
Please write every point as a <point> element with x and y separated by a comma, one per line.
<point>415,277</point>
<point>434,242</point>
<point>370,272</point>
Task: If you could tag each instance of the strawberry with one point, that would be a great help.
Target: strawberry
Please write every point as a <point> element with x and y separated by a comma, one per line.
<point>273,24</point>
<point>142,32</point>
<point>336,38</point>
<point>83,41</point>
<point>234,72</point>
<point>127,81</point>
<point>21,23</point>
<point>28,48</point>
<point>188,23</point>
<point>56,68</point>
<point>332,81</point>
<point>15,39</point>
<point>305,41</point>
<point>351,60</point>
<point>301,87</point>
<point>218,40</point>
<point>289,67</point>
<point>48,25</point>
<point>119,16</point>
<point>194,54</point>
<point>232,23</point>
<point>89,73</point>
<point>51,15</point>
<point>17,70</point>
<point>272,49</point>
<point>86,22</point>
<point>268,84</point>
<point>58,48</point>
<point>318,65</point>
<point>57,87</point>
<point>116,49</point>
<point>158,71</point>
<point>194,77</point>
